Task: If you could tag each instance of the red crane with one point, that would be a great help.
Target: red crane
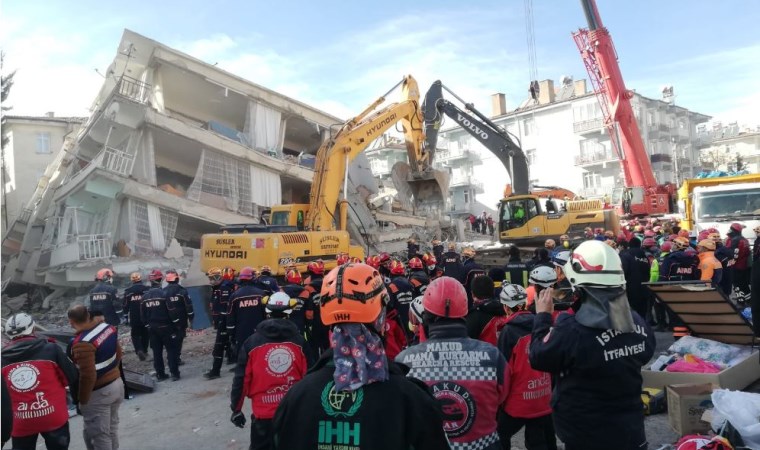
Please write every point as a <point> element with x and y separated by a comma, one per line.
<point>642,196</point>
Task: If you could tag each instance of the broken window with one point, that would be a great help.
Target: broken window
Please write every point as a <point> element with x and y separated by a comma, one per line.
<point>152,227</point>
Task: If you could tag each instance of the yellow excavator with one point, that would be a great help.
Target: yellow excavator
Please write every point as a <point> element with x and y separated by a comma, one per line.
<point>301,233</point>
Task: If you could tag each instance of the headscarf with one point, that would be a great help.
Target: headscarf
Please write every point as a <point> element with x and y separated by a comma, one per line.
<point>358,354</point>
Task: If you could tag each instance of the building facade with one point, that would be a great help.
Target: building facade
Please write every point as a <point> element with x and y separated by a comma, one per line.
<point>729,147</point>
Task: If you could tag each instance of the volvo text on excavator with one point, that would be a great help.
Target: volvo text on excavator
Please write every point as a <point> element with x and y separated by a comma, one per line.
<point>525,217</point>
<point>301,233</point>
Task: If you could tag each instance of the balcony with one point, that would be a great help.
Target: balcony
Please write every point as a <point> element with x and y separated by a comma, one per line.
<point>133,89</point>
<point>466,181</point>
<point>450,155</point>
<point>595,158</point>
<point>83,247</point>
<point>586,126</point>
<point>117,161</point>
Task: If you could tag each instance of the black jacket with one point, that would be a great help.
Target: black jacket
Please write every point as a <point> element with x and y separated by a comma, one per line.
<point>398,414</point>
<point>103,298</point>
<point>452,266</point>
<point>246,311</point>
<point>180,301</point>
<point>481,315</point>
<point>298,316</point>
<point>267,284</point>
<point>517,272</point>
<point>155,309</point>
<point>131,303</point>
<point>471,271</point>
<point>597,398</point>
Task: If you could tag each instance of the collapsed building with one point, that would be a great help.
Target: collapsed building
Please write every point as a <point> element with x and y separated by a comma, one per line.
<point>174,148</point>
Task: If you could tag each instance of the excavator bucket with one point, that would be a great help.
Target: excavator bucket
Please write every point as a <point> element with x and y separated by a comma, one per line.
<point>422,193</point>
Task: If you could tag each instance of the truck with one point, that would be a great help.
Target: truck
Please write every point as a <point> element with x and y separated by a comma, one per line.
<point>718,202</point>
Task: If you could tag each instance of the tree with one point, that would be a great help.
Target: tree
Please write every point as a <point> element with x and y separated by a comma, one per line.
<point>718,157</point>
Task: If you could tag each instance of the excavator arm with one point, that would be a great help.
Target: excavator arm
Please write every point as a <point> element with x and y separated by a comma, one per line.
<point>482,129</point>
<point>353,138</point>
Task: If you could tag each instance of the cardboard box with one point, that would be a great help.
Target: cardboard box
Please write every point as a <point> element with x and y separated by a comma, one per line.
<point>686,404</point>
<point>735,378</point>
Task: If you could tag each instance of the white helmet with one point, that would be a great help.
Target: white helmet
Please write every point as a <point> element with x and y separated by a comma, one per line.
<point>279,302</point>
<point>415,310</point>
<point>513,295</point>
<point>543,276</point>
<point>594,263</point>
<point>18,325</point>
<point>561,258</point>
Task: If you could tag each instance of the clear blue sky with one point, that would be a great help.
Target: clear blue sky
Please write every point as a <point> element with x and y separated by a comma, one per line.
<point>342,55</point>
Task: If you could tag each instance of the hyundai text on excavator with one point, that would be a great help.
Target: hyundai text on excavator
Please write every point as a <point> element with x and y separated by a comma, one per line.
<point>641,196</point>
<point>525,217</point>
<point>302,233</point>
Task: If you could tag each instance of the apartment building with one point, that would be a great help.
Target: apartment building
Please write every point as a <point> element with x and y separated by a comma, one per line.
<point>723,146</point>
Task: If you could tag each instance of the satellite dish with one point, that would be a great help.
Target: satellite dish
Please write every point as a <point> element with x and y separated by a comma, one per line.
<point>566,80</point>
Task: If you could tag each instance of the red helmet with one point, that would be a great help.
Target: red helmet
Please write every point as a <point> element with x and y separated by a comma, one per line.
<point>666,246</point>
<point>172,275</point>
<point>429,260</point>
<point>293,276</point>
<point>155,275</point>
<point>713,230</point>
<point>228,273</point>
<point>353,293</point>
<point>649,233</point>
<point>445,297</point>
<point>315,268</point>
<point>397,267</point>
<point>342,259</point>
<point>683,233</point>
<point>649,242</point>
<point>247,273</point>
<point>737,227</point>
<point>373,261</point>
<point>384,258</point>
<point>702,235</point>
<point>104,275</point>
<point>415,263</point>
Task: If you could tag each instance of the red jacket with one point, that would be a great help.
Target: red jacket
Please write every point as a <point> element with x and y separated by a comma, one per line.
<point>740,246</point>
<point>395,338</point>
<point>530,390</point>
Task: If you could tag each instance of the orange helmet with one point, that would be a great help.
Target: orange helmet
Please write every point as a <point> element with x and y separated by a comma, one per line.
<point>135,277</point>
<point>315,268</point>
<point>214,275</point>
<point>293,276</point>
<point>248,273</point>
<point>228,274</point>
<point>104,275</point>
<point>680,243</point>
<point>353,293</point>
<point>373,261</point>
<point>415,263</point>
<point>397,267</point>
<point>342,258</point>
<point>171,276</point>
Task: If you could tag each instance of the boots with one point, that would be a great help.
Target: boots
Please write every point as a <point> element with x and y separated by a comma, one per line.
<point>211,374</point>
<point>141,355</point>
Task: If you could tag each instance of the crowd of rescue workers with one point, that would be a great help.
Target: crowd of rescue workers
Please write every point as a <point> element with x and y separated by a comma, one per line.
<point>430,351</point>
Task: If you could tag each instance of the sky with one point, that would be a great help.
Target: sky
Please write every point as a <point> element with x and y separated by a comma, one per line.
<point>340,56</point>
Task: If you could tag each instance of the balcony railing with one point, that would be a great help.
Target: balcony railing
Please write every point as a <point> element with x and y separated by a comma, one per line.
<point>588,125</point>
<point>94,246</point>
<point>444,155</point>
<point>133,89</point>
<point>117,161</point>
<point>595,158</point>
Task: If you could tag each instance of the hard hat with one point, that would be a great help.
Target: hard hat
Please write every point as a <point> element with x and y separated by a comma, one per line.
<point>703,235</point>
<point>666,246</point>
<point>247,274</point>
<point>265,270</point>
<point>341,259</point>
<point>513,295</point>
<point>104,275</point>
<point>279,302</point>
<point>214,272</point>
<point>397,267</point>
<point>415,263</point>
<point>135,277</point>
<point>416,309</point>
<point>683,233</point>
<point>445,297</point>
<point>737,227</point>
<point>429,260</point>
<point>355,260</point>
<point>315,268</point>
<point>373,261</point>
<point>543,276</point>
<point>707,244</point>
<point>550,243</point>
<point>19,324</point>
<point>468,252</point>
<point>680,243</point>
<point>385,258</point>
<point>353,293</point>
<point>594,264</point>
<point>713,230</point>
<point>293,276</point>
<point>228,273</point>
<point>155,275</point>
<point>649,233</point>
<point>672,237</point>
<point>171,276</point>
<point>649,242</point>
<point>561,258</point>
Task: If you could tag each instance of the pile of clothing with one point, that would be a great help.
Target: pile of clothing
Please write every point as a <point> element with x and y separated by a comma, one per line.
<point>696,355</point>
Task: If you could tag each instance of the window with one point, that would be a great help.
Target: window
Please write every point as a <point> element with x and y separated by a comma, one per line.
<point>530,156</point>
<point>467,196</point>
<point>650,119</point>
<point>43,144</point>
<point>529,127</point>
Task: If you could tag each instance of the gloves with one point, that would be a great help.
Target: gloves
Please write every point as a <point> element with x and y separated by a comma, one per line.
<point>238,419</point>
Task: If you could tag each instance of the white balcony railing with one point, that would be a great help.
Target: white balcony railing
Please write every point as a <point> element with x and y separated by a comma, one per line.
<point>588,125</point>
<point>94,246</point>
<point>117,161</point>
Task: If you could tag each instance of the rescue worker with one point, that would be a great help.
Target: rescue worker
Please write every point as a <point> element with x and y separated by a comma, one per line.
<point>159,315</point>
<point>412,249</point>
<point>353,401</point>
<point>179,301</point>
<point>294,288</point>
<point>431,266</point>
<point>486,318</point>
<point>660,313</point>
<point>36,373</point>
<point>527,404</point>
<point>131,305</point>
<point>710,268</point>
<point>636,267</point>
<point>725,256</point>
<point>317,334</point>
<point>563,292</point>
<point>498,276</point>
<point>246,308</point>
<point>385,266</point>
<point>103,297</point>
<point>437,249</point>
<point>401,293</point>
<point>452,263</point>
<point>473,387</point>
<point>96,351</point>
<point>550,245</point>
<point>595,355</point>
<point>270,362</point>
<point>415,321</point>
<point>540,258</point>
<point>740,245</point>
<point>542,277</point>
<point>755,298</point>
<point>516,270</point>
<point>266,282</point>
<point>471,270</point>
<point>679,265</point>
<point>221,288</point>
<point>564,242</point>
<point>418,278</point>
